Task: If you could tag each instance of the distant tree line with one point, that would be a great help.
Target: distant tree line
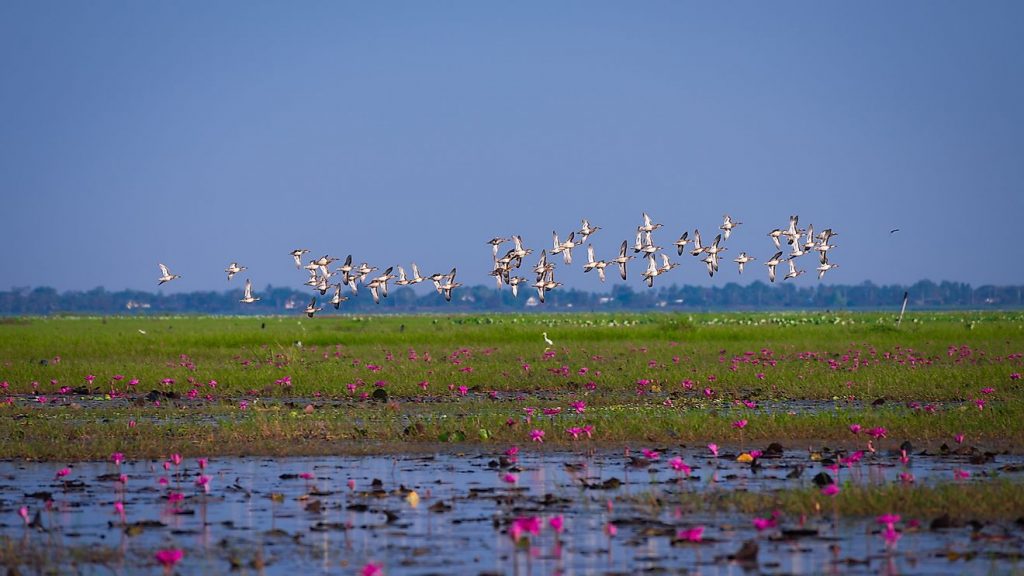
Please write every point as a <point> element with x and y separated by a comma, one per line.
<point>756,296</point>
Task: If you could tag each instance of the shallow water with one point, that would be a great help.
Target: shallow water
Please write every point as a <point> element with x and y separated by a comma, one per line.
<point>262,517</point>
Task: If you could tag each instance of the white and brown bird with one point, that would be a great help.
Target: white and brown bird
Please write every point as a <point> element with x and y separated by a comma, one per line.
<point>233,269</point>
<point>712,263</point>
<point>792,232</point>
<point>743,259</point>
<point>593,264</point>
<point>714,250</point>
<point>449,284</point>
<point>495,242</point>
<point>322,285</point>
<point>297,254</point>
<point>436,278</point>
<point>514,282</point>
<point>402,279</point>
<point>345,269</point>
<point>248,298</point>
<point>416,278</point>
<point>825,267</point>
<point>364,270</point>
<point>518,252</point>
<point>810,242</point>
<point>651,272</point>
<point>666,265</point>
<point>727,226</point>
<point>622,259</point>
<point>165,275</point>
<point>682,242</point>
<point>647,225</point>
<point>564,248</point>
<point>543,266</point>
<point>698,248</point>
<point>586,230</point>
<point>772,263</point>
<point>337,299</point>
<point>647,247</point>
<point>379,285</point>
<point>312,308</point>
<point>323,262</point>
<point>793,272</point>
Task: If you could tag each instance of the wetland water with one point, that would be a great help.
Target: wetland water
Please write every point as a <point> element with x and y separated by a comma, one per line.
<point>448,513</point>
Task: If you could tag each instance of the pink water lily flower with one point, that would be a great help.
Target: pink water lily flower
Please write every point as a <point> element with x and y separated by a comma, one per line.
<point>557,523</point>
<point>889,519</point>
<point>891,535</point>
<point>169,556</point>
<point>524,525</point>
<point>650,454</point>
<point>740,424</point>
<point>714,449</point>
<point>830,490</point>
<point>695,534</point>
<point>372,569</point>
<point>855,428</point>
<point>537,435</point>
<point>678,465</point>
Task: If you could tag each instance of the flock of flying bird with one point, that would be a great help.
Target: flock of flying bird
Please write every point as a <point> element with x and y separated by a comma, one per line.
<point>644,247</point>
<point>800,242</point>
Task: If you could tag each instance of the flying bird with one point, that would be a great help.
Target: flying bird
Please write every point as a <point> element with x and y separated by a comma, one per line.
<point>586,230</point>
<point>248,298</point>
<point>727,226</point>
<point>793,272</point>
<point>622,259</point>
<point>312,309</point>
<point>297,254</point>
<point>165,275</point>
<point>233,269</point>
<point>743,259</point>
<point>648,226</point>
<point>338,298</point>
<point>772,263</point>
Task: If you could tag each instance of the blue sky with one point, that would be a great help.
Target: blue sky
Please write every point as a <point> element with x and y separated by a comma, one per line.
<point>198,133</point>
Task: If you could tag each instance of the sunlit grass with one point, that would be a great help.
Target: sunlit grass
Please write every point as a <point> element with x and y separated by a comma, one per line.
<point>240,385</point>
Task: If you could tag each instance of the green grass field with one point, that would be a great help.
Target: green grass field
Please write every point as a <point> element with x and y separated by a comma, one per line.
<point>83,387</point>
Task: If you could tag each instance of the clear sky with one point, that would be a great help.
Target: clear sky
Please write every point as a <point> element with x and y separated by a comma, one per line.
<point>198,133</point>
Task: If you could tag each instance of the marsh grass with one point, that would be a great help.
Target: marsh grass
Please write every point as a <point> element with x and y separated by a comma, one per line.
<point>628,368</point>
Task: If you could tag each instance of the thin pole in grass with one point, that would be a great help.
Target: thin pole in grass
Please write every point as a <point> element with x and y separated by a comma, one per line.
<point>903,309</point>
